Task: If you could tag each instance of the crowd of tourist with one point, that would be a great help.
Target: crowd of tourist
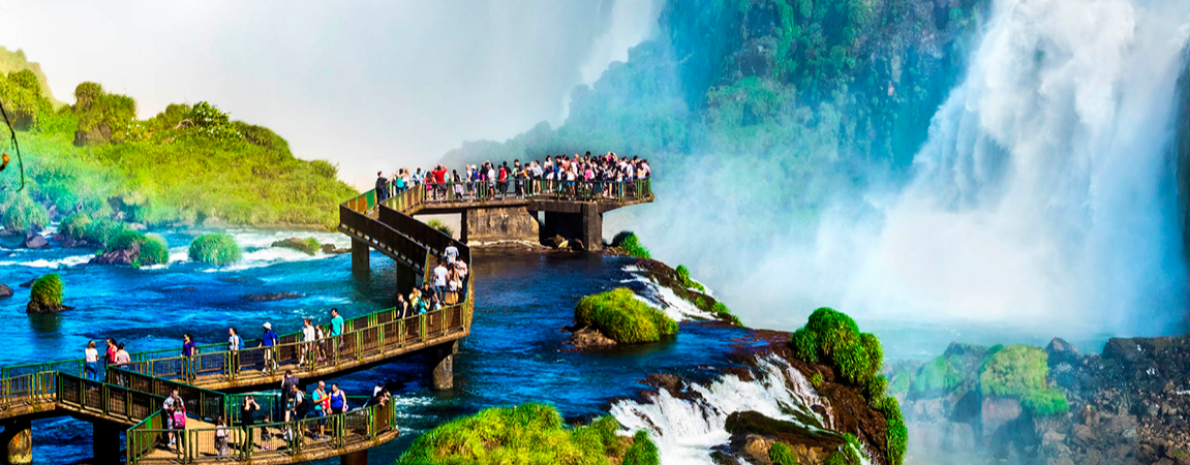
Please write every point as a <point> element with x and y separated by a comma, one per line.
<point>577,176</point>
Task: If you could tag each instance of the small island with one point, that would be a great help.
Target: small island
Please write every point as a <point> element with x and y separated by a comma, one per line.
<point>618,317</point>
<point>46,295</point>
<point>216,249</point>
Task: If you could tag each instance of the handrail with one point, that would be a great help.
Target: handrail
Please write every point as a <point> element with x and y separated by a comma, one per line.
<point>486,191</point>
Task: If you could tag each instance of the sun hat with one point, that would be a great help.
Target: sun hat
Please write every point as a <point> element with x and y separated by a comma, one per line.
<point>268,325</point>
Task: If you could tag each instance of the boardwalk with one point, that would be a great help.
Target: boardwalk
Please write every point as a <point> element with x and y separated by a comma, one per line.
<point>129,397</point>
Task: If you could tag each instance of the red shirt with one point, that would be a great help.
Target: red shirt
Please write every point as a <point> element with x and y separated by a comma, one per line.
<point>440,176</point>
<point>503,174</point>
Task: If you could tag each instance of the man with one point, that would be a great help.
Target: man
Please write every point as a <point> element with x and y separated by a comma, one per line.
<point>322,405</point>
<point>440,273</point>
<point>336,329</point>
<point>451,253</point>
<point>234,343</point>
<point>269,342</point>
<point>308,340</point>
<point>289,384</point>
<point>381,187</point>
<point>167,408</point>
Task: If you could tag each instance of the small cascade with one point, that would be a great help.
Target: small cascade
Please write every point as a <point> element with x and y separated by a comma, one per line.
<point>663,298</point>
<point>686,429</point>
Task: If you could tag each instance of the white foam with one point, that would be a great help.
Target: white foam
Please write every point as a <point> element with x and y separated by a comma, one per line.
<point>664,298</point>
<point>686,431</point>
<point>66,262</point>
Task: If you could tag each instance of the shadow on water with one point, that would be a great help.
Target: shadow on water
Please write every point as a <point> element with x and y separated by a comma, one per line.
<point>45,323</point>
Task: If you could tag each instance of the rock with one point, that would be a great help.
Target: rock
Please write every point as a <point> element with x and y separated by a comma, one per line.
<point>35,241</point>
<point>28,284</point>
<point>670,383</point>
<point>1060,351</point>
<point>755,449</point>
<point>296,244</point>
<point>272,297</point>
<point>996,412</point>
<point>1083,436</point>
<point>5,292</point>
<point>330,249</point>
<point>752,422</point>
<point>118,257</point>
<point>34,307</point>
<point>587,338</point>
<point>557,242</point>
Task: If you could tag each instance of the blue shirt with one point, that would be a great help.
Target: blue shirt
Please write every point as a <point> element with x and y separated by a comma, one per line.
<point>336,326</point>
<point>270,338</point>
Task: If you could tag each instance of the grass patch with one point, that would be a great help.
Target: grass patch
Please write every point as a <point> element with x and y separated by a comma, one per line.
<point>20,213</point>
<point>47,292</point>
<point>684,278</point>
<point>627,243</point>
<point>526,434</point>
<point>153,250</point>
<point>215,249</point>
<point>312,243</point>
<point>441,227</point>
<point>782,454</point>
<point>624,318</point>
<point>1019,371</point>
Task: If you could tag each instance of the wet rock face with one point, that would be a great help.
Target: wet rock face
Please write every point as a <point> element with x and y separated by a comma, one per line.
<point>35,241</point>
<point>5,292</point>
<point>36,307</point>
<point>330,249</point>
<point>589,338</point>
<point>272,297</point>
<point>118,257</point>
<point>295,244</point>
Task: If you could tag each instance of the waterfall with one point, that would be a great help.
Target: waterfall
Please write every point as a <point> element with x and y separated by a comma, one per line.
<point>686,429</point>
<point>1045,193</point>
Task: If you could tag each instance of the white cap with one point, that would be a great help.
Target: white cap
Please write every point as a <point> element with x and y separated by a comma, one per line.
<point>268,325</point>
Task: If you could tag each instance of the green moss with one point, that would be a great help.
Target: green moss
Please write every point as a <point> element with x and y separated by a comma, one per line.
<point>1014,371</point>
<point>101,231</point>
<point>936,376</point>
<point>619,315</point>
<point>629,244</point>
<point>642,451</point>
<point>781,454</point>
<point>154,250</point>
<point>816,380</point>
<point>23,214</point>
<point>848,454</point>
<point>1045,402</point>
<point>47,291</point>
<point>313,243</point>
<point>684,278</point>
<point>526,434</point>
<point>441,227</point>
<point>896,440</point>
<point>215,249</point>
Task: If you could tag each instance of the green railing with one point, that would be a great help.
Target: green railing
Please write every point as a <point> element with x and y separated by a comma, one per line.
<point>486,191</point>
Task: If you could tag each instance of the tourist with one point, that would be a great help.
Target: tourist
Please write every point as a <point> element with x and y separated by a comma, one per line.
<point>234,344</point>
<point>322,405</point>
<point>122,356</point>
<point>451,253</point>
<point>91,357</point>
<point>399,181</point>
<point>109,355</point>
<point>294,409</point>
<point>402,306</point>
<point>381,187</point>
<point>338,405</point>
<point>248,421</point>
<point>269,342</point>
<point>288,383</point>
<point>167,410</point>
<point>320,336</point>
<point>309,338</point>
<point>414,301</point>
<point>457,181</point>
<point>179,414</point>
<point>440,275</point>
<point>188,346</point>
<point>461,271</point>
<point>336,330</point>
<point>221,436</point>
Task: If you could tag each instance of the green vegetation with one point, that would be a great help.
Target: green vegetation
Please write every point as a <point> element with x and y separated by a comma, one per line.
<point>624,318</point>
<point>440,226</point>
<point>627,243</point>
<point>642,451</point>
<point>527,434</point>
<point>781,454</point>
<point>47,292</point>
<point>215,249</point>
<point>684,278</point>
<point>833,339</point>
<point>848,454</point>
<point>152,248</point>
<point>816,380</point>
<point>720,309</point>
<point>937,375</point>
<point>312,243</point>
<point>1019,371</point>
<point>187,164</point>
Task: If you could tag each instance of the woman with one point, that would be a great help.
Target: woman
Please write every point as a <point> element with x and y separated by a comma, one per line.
<point>399,180</point>
<point>338,405</point>
<point>180,425</point>
<point>402,306</point>
<point>122,356</point>
<point>248,420</point>
<point>91,355</point>
<point>188,347</point>
<point>320,335</point>
<point>458,182</point>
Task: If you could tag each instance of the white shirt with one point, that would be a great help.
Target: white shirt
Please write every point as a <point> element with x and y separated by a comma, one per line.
<point>440,276</point>
<point>92,354</point>
<point>308,334</point>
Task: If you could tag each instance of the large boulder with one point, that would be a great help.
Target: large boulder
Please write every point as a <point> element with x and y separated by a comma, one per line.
<point>117,257</point>
<point>998,411</point>
<point>330,249</point>
<point>5,292</point>
<point>588,338</point>
<point>35,241</point>
<point>1059,351</point>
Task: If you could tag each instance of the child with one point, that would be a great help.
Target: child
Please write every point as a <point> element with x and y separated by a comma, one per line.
<point>221,437</point>
<point>180,425</point>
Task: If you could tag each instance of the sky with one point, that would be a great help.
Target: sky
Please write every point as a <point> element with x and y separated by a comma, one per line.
<point>369,85</point>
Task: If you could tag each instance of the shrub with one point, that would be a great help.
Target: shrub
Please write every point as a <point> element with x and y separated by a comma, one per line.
<point>642,451</point>
<point>816,380</point>
<point>1045,402</point>
<point>74,225</point>
<point>215,249</point>
<point>782,454</point>
<point>47,291</point>
<point>22,214</point>
<point>441,227</point>
<point>313,243</point>
<point>623,317</point>
<point>526,434</point>
<point>154,250</point>
<point>1014,371</point>
<point>937,375</point>
<point>684,278</point>
<point>101,231</point>
<point>629,244</point>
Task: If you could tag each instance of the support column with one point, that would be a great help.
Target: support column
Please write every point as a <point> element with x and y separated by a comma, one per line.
<point>18,442</point>
<point>105,445</point>
<point>406,278</point>
<point>354,458</point>
<point>442,359</point>
<point>360,265</point>
<point>592,227</point>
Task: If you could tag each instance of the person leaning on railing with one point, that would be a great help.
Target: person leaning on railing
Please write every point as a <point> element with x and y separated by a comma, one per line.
<point>234,344</point>
<point>188,346</point>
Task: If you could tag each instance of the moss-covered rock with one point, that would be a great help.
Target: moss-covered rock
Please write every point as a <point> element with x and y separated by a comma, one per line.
<point>782,454</point>
<point>215,249</point>
<point>1019,372</point>
<point>619,315</point>
<point>627,243</point>
<point>528,434</point>
<point>308,245</point>
<point>46,295</point>
<point>134,248</point>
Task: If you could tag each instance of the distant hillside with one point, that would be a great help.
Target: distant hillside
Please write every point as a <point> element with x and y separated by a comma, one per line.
<point>189,164</point>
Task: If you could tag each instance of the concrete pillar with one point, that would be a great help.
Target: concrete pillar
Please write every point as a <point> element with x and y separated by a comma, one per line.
<point>354,458</point>
<point>360,265</point>
<point>18,441</point>
<point>105,445</point>
<point>406,278</point>
<point>592,227</point>
<point>442,359</point>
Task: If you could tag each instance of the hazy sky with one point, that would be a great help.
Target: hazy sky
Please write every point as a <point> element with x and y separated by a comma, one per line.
<point>368,84</point>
